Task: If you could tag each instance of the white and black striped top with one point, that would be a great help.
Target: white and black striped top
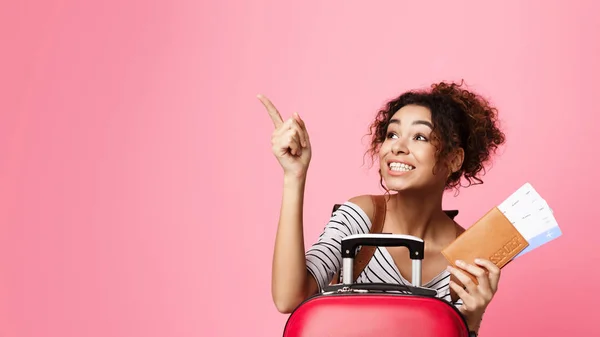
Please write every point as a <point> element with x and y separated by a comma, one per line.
<point>323,259</point>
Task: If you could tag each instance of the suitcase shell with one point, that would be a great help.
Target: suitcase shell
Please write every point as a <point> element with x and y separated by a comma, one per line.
<point>382,310</point>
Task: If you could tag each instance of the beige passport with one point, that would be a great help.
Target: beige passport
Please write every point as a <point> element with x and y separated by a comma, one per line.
<point>492,237</point>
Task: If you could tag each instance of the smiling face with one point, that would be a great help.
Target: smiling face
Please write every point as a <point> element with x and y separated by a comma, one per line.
<point>407,155</point>
<point>465,136</point>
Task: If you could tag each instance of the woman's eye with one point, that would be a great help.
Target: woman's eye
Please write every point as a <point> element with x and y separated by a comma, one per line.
<point>391,135</point>
<point>420,137</point>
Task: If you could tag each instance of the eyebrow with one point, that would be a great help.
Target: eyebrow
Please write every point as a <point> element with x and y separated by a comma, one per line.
<point>417,122</point>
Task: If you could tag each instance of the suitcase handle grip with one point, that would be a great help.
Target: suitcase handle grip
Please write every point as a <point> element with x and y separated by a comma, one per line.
<point>415,245</point>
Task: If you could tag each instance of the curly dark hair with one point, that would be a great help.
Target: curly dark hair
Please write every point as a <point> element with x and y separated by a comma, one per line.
<point>460,118</point>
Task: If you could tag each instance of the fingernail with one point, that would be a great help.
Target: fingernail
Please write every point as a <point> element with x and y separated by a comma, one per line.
<point>460,263</point>
<point>477,261</point>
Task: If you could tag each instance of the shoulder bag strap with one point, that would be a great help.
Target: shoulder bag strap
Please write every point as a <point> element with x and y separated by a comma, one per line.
<point>366,253</point>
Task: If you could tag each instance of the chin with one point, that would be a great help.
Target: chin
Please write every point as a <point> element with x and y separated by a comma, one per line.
<point>401,188</point>
<point>411,189</point>
<point>403,184</point>
<point>398,185</point>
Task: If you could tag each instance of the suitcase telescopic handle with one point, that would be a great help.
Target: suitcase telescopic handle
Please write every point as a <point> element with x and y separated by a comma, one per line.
<point>415,245</point>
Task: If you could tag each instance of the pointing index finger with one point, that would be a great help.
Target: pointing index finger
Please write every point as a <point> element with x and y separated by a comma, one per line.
<point>273,113</point>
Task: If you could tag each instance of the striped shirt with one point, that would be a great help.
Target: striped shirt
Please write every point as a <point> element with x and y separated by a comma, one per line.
<point>323,259</point>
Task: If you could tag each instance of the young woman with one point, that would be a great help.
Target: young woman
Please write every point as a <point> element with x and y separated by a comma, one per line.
<point>426,141</point>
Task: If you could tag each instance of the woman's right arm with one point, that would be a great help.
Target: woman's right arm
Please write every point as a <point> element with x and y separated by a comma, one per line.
<point>291,282</point>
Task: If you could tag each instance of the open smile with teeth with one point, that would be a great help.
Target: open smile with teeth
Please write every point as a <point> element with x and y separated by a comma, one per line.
<point>401,167</point>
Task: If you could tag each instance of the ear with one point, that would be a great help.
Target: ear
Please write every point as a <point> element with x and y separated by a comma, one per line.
<point>456,160</point>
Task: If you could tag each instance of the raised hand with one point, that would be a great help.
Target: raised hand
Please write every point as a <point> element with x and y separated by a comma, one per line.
<point>290,142</point>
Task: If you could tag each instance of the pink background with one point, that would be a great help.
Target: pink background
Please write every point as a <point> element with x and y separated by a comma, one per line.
<point>132,143</point>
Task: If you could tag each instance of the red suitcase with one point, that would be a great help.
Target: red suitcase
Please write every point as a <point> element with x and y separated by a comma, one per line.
<point>374,309</point>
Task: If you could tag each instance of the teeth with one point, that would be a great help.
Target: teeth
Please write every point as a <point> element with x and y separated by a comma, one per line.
<point>400,167</point>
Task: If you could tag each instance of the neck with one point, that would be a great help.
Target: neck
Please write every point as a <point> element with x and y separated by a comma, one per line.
<point>413,213</point>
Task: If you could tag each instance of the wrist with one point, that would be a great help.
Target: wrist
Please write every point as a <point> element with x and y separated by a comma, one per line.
<point>294,178</point>
<point>473,332</point>
<point>474,324</point>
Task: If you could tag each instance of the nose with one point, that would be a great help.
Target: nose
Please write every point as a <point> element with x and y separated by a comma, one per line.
<point>399,146</point>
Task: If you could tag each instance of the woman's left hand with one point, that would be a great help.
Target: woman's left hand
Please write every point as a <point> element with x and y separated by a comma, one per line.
<point>475,297</point>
